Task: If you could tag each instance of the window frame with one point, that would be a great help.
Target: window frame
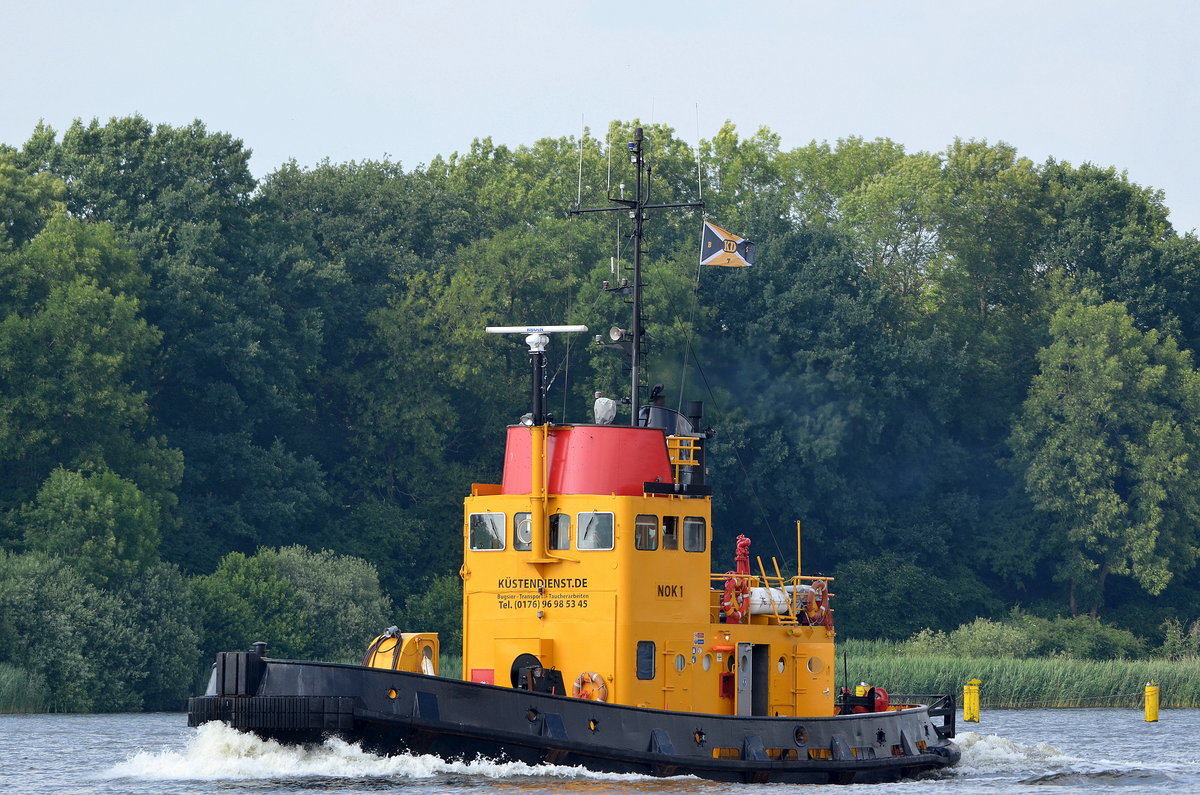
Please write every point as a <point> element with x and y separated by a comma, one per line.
<point>640,523</point>
<point>671,522</point>
<point>503,537</point>
<point>579,530</point>
<point>551,538</point>
<point>693,521</point>
<point>646,660</point>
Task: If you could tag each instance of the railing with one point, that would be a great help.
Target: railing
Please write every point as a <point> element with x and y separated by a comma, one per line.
<point>801,600</point>
<point>683,451</point>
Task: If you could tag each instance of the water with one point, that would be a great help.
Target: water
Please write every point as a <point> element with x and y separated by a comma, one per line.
<point>1101,750</point>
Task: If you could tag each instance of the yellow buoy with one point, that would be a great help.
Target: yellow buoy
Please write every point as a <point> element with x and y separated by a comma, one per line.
<point>971,701</point>
<point>1151,702</point>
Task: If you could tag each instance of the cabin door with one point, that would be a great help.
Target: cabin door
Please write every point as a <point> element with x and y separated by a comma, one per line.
<point>753,667</point>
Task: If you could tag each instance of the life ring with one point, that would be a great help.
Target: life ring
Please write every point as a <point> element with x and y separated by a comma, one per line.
<point>590,685</point>
<point>737,591</point>
<point>815,608</point>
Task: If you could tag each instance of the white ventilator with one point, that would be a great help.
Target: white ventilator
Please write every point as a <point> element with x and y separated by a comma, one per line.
<point>604,410</point>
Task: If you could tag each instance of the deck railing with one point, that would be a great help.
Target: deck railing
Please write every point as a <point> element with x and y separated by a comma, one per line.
<point>799,600</point>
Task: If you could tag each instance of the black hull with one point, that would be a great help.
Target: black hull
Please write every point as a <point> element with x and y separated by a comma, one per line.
<point>393,711</point>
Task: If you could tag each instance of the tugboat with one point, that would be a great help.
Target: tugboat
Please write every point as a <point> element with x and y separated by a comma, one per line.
<point>594,630</point>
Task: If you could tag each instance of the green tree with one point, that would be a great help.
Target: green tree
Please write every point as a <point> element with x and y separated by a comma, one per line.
<point>160,606</point>
<point>27,201</point>
<point>76,639</point>
<point>889,597</point>
<point>823,175</point>
<point>1105,444</point>
<point>842,407</point>
<point>992,222</point>
<point>1081,637</point>
<point>437,608</point>
<point>228,381</point>
<point>304,605</point>
<point>894,221</point>
<point>247,600</point>
<point>340,599</point>
<point>1114,237</point>
<point>401,546</point>
<point>74,349</point>
<point>98,521</point>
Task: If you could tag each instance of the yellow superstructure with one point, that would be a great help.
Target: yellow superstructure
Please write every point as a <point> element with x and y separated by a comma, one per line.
<point>615,590</point>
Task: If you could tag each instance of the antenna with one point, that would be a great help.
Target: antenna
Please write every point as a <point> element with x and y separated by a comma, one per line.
<point>536,339</point>
<point>699,182</point>
<point>582,141</point>
<point>636,207</point>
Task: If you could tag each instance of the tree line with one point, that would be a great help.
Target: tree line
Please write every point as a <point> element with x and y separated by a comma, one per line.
<point>225,400</point>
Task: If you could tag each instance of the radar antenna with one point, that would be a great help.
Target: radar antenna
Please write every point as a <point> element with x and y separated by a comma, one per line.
<point>536,339</point>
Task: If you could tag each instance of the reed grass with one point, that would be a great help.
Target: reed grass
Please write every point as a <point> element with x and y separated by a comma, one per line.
<point>1011,682</point>
<point>450,666</point>
<point>20,691</point>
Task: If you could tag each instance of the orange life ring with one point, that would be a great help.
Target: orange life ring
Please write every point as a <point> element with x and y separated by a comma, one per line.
<point>590,685</point>
<point>735,602</point>
<point>815,608</point>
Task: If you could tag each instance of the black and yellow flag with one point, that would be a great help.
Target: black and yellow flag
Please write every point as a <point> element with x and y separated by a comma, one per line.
<point>718,247</point>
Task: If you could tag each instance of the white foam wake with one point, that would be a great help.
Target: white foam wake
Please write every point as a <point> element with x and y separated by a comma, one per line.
<point>990,753</point>
<point>217,752</point>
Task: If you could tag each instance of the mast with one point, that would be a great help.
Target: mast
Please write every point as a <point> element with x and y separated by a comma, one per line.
<point>639,214</point>
<point>637,207</point>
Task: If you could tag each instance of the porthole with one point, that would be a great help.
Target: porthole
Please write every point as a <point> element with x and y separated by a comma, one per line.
<point>680,662</point>
<point>706,662</point>
<point>815,665</point>
<point>782,664</point>
<point>392,693</point>
<point>801,736</point>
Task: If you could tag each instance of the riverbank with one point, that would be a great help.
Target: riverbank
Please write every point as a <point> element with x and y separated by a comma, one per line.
<point>1010,682</point>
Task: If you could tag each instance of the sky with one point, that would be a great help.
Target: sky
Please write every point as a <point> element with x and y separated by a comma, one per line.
<point>1110,82</point>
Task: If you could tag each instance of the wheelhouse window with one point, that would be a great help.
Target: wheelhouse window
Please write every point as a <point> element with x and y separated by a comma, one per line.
<point>694,535</point>
<point>560,531</point>
<point>595,531</point>
<point>670,532</point>
<point>523,531</point>
<point>645,531</point>
<point>487,531</point>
